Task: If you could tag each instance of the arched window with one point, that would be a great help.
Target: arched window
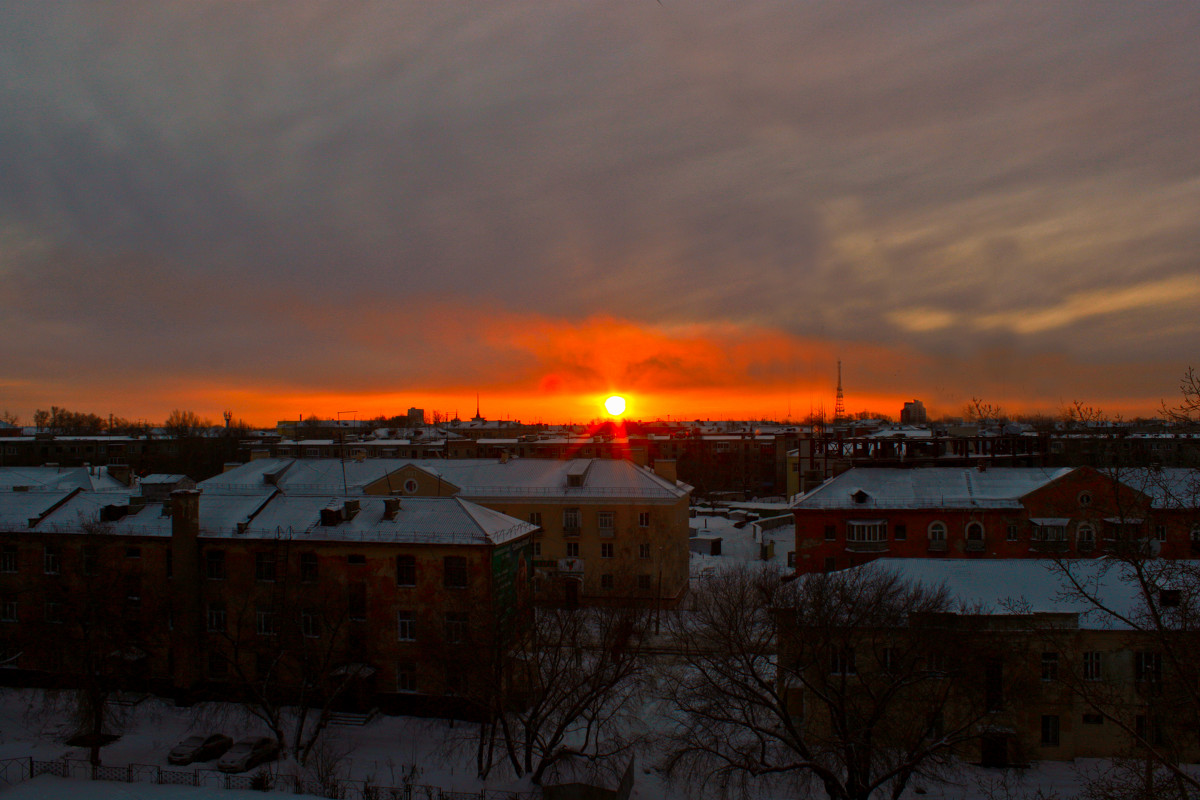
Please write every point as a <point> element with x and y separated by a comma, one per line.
<point>1196,533</point>
<point>974,532</point>
<point>937,532</point>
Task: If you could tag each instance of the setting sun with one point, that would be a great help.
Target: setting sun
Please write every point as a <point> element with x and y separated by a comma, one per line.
<point>615,405</point>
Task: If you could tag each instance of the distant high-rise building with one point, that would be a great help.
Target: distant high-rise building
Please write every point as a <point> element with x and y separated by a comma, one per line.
<point>416,416</point>
<point>914,414</point>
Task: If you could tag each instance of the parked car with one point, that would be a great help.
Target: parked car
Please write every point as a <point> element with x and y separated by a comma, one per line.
<point>249,753</point>
<point>199,748</point>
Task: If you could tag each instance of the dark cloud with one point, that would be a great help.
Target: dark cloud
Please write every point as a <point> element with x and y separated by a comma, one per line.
<point>230,180</point>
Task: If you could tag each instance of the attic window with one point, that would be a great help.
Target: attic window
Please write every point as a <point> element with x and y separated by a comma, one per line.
<point>1085,499</point>
<point>860,496</point>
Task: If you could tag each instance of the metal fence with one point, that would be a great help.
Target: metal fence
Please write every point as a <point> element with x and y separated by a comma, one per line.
<point>17,770</point>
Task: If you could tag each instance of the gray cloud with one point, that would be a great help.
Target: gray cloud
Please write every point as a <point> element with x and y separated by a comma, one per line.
<point>818,168</point>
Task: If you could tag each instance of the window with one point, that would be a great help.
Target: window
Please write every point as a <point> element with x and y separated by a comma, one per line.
<point>1195,534</point>
<point>535,518</point>
<point>214,565</point>
<point>216,617</point>
<point>8,558</point>
<point>51,560</point>
<point>1148,729</point>
<point>406,629</point>
<point>1093,719</point>
<point>310,623</point>
<point>133,592</point>
<point>411,486</point>
<point>54,611</point>
<point>572,549</point>
<point>133,552</point>
<point>406,570</point>
<point>830,533</point>
<point>1147,666</point>
<point>1049,666</point>
<point>356,601</point>
<point>265,622</point>
<point>571,520</point>
<point>264,567</point>
<point>643,551</point>
<point>1085,499</point>
<point>90,559</point>
<point>1092,669</point>
<point>406,677</point>
<point>456,627</point>
<point>643,581</point>
<point>454,572</point>
<point>937,532</point>
<point>1086,536</point>
<point>606,580</point>
<point>900,532</point>
<point>1050,730</point>
<point>606,550</point>
<point>1012,532</point>
<point>643,519</point>
<point>606,520</point>
<point>889,659</point>
<point>537,549</point>
<point>841,661</point>
<point>974,532</point>
<point>308,568</point>
<point>1160,532</point>
<point>356,559</point>
<point>8,610</point>
<point>863,532</point>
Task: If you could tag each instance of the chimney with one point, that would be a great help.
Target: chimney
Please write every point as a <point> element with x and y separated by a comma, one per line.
<point>391,507</point>
<point>352,507</point>
<point>665,469</point>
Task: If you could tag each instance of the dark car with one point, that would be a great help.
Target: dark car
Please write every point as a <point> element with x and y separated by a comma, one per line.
<point>199,748</point>
<point>249,753</point>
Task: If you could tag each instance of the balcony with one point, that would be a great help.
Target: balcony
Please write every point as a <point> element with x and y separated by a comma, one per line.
<point>867,547</point>
<point>975,545</point>
<point>937,546</point>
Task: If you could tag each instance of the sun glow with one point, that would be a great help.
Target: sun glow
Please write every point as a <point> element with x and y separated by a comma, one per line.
<point>615,405</point>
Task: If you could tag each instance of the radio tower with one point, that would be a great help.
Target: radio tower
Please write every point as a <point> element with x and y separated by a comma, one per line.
<point>839,409</point>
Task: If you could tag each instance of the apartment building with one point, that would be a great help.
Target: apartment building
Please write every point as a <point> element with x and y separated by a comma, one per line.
<point>608,531</point>
<point>204,592</point>
<point>977,513</point>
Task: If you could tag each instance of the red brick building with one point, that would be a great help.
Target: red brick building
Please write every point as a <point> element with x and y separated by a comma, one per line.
<point>1014,512</point>
<point>204,593</point>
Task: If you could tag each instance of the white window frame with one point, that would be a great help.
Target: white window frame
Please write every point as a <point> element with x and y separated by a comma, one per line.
<point>406,625</point>
<point>937,531</point>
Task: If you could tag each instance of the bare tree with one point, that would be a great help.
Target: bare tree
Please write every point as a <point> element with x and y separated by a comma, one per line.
<point>1081,415</point>
<point>844,682</point>
<point>565,685</point>
<point>184,424</point>
<point>983,412</point>
<point>1187,410</point>
<point>291,670</point>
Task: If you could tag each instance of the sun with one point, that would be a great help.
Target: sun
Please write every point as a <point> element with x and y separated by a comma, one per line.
<point>615,405</point>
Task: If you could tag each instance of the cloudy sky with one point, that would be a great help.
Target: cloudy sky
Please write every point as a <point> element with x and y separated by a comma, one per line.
<point>296,207</point>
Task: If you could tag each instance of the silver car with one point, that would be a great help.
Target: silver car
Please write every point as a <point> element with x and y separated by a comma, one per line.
<point>249,753</point>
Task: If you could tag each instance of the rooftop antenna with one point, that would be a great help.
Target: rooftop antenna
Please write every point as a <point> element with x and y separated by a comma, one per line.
<point>839,409</point>
<point>228,417</point>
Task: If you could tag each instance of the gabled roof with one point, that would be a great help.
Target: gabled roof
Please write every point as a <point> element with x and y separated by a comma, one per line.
<point>939,487</point>
<point>477,478</point>
<point>94,479</point>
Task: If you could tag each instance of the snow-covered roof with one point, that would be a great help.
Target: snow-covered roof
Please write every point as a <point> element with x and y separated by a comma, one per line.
<point>162,479</point>
<point>933,487</point>
<point>1030,586</point>
<point>477,477</point>
<point>94,479</point>
<point>271,515</point>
